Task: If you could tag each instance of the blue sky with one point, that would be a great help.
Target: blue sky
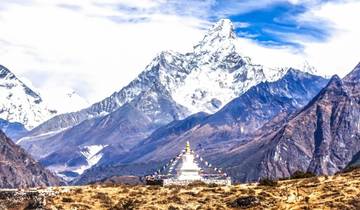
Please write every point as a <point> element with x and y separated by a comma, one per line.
<point>95,47</point>
<point>266,22</point>
<point>268,25</point>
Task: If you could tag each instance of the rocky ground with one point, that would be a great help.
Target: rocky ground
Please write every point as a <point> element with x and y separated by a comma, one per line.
<point>341,191</point>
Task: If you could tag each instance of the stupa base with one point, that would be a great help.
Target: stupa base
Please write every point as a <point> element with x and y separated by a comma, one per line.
<point>174,181</point>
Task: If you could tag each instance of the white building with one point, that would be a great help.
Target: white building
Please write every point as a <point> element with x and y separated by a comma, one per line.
<point>184,169</point>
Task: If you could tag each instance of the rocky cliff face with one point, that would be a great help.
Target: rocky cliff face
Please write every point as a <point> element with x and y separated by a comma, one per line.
<point>323,138</point>
<point>19,170</point>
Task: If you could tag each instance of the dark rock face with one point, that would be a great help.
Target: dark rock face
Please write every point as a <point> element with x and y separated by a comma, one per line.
<point>19,170</point>
<point>322,138</point>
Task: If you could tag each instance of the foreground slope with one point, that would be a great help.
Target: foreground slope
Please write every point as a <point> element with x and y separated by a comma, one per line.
<point>322,138</point>
<point>334,192</point>
<point>19,170</point>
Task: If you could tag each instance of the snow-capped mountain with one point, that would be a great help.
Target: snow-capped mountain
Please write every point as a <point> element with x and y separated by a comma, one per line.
<point>18,103</point>
<point>202,80</point>
<point>172,87</point>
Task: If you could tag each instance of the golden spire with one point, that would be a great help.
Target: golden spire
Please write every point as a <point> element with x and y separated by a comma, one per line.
<point>187,147</point>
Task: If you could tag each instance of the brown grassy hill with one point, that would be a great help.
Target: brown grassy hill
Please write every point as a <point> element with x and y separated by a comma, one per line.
<point>341,191</point>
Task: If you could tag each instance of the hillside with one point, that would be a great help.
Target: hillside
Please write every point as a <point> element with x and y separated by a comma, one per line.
<point>341,191</point>
<point>19,170</point>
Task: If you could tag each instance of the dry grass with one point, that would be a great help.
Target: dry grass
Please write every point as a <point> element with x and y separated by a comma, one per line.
<point>334,192</point>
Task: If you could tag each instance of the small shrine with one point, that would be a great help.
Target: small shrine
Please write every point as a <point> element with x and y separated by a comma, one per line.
<point>186,168</point>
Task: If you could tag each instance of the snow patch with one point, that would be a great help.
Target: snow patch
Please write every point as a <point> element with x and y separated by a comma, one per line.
<point>92,154</point>
<point>41,136</point>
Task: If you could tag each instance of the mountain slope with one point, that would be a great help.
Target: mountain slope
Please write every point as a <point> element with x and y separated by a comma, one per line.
<point>64,152</point>
<point>19,103</point>
<point>323,138</point>
<point>245,114</point>
<point>19,170</point>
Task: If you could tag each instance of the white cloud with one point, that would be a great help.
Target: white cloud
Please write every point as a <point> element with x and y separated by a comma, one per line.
<point>339,54</point>
<point>95,47</point>
<point>55,46</point>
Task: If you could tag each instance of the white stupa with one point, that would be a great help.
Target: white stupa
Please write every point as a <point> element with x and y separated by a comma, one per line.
<point>187,168</point>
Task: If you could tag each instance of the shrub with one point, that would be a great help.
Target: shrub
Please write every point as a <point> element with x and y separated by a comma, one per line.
<point>302,175</point>
<point>78,191</point>
<point>197,184</point>
<point>104,199</point>
<point>211,185</point>
<point>173,208</point>
<point>34,204</point>
<point>67,200</point>
<point>244,202</point>
<point>153,187</point>
<point>125,190</point>
<point>175,199</point>
<point>268,182</point>
<point>124,205</point>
